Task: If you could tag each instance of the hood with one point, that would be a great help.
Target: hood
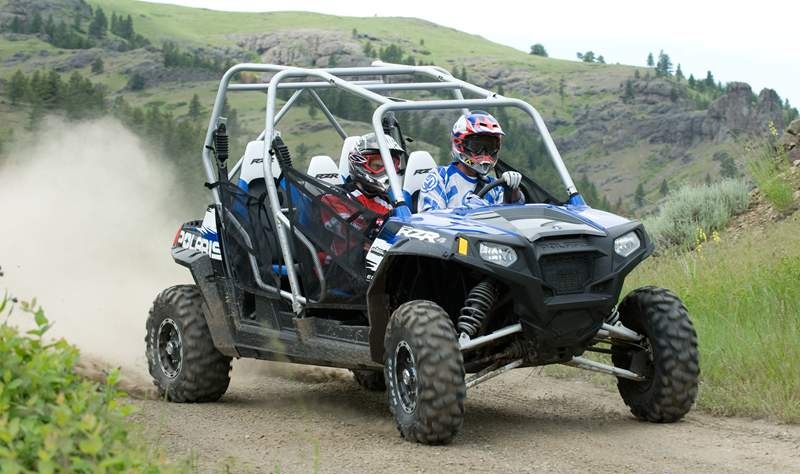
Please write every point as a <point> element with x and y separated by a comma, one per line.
<point>532,221</point>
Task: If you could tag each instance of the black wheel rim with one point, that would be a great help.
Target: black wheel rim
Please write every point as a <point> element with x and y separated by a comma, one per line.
<point>405,374</point>
<point>170,348</point>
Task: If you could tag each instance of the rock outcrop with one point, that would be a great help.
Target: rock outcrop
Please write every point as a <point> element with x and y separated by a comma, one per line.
<point>739,111</point>
<point>790,141</point>
<point>306,47</point>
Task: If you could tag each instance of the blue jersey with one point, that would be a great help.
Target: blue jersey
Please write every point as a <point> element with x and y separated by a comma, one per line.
<point>447,187</point>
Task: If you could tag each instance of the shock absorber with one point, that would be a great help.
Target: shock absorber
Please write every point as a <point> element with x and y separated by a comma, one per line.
<point>477,305</point>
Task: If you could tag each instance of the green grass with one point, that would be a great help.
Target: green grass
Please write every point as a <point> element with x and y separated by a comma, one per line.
<point>770,172</point>
<point>744,299</point>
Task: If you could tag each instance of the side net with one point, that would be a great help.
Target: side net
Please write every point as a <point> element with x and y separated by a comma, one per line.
<point>340,230</point>
<point>250,231</point>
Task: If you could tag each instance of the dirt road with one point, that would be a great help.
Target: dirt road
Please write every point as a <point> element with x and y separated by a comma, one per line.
<point>276,418</point>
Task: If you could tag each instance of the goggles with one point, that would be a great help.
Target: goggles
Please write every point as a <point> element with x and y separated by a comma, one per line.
<point>482,145</point>
<point>374,163</point>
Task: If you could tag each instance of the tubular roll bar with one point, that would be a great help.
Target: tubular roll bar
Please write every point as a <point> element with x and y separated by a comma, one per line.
<point>365,86</point>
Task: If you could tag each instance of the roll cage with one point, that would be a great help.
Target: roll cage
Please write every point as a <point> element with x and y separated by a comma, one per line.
<point>364,82</point>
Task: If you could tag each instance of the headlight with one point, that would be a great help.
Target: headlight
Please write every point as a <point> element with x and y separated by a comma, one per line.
<point>627,244</point>
<point>497,253</point>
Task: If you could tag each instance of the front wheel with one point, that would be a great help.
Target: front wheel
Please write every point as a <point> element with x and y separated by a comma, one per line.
<point>185,365</point>
<point>668,356</point>
<point>424,372</point>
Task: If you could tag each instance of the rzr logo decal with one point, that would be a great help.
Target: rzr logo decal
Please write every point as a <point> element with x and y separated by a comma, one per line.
<point>421,171</point>
<point>419,234</point>
<point>327,176</point>
<point>192,241</point>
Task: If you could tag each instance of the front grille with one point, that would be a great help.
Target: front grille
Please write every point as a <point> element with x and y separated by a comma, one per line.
<point>567,272</point>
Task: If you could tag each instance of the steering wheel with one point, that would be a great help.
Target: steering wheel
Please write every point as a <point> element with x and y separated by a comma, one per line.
<point>489,187</point>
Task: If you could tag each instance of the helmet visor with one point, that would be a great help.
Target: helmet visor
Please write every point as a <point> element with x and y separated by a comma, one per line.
<point>482,145</point>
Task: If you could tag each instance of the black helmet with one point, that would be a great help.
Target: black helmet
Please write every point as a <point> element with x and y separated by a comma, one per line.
<point>366,165</point>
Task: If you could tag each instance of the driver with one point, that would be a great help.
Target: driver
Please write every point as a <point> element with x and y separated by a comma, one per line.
<point>476,144</point>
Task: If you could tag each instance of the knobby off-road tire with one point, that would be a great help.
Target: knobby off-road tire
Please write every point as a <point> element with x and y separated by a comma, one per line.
<point>371,380</point>
<point>672,362</point>
<point>185,365</point>
<point>424,372</point>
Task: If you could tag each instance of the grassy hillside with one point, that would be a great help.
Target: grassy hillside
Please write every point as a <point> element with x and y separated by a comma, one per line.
<point>600,135</point>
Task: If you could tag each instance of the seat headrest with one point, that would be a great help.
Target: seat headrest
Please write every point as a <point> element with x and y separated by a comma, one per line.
<point>347,147</point>
<point>253,162</point>
<point>324,169</point>
<point>419,163</point>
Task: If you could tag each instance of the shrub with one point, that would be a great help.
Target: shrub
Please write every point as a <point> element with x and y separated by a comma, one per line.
<point>697,207</point>
<point>768,167</point>
<point>53,420</point>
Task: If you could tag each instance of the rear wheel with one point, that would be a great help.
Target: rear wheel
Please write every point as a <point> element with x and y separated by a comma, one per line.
<point>424,373</point>
<point>370,379</point>
<point>185,365</point>
<point>668,356</point>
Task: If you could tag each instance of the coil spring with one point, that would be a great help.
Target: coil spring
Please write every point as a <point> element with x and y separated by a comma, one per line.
<point>479,301</point>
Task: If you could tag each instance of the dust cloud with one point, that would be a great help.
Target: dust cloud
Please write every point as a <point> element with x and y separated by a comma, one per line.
<point>88,217</point>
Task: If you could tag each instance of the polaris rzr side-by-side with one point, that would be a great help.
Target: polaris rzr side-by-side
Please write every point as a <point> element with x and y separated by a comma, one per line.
<point>422,305</point>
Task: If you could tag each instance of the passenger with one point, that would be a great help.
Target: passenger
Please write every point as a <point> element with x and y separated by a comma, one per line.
<point>368,185</point>
<point>476,143</point>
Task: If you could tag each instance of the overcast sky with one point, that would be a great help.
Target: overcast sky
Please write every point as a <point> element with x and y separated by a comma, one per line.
<point>754,42</point>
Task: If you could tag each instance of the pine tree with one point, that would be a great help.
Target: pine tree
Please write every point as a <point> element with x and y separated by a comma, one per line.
<point>36,23</point>
<point>195,109</point>
<point>650,61</point>
<point>638,195</point>
<point>17,87</point>
<point>126,28</point>
<point>709,80</point>
<point>664,66</point>
<point>691,81</point>
<point>99,24</point>
<point>114,24</point>
<point>679,74</point>
<point>601,59</point>
<point>136,82</point>
<point>664,188</point>
<point>50,27</point>
<point>618,206</point>
<point>97,65</point>
<point>368,50</point>
<point>627,95</point>
<point>16,25</point>
<point>538,50</point>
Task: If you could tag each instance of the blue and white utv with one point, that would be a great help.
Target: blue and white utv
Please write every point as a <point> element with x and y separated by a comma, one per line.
<point>423,305</point>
